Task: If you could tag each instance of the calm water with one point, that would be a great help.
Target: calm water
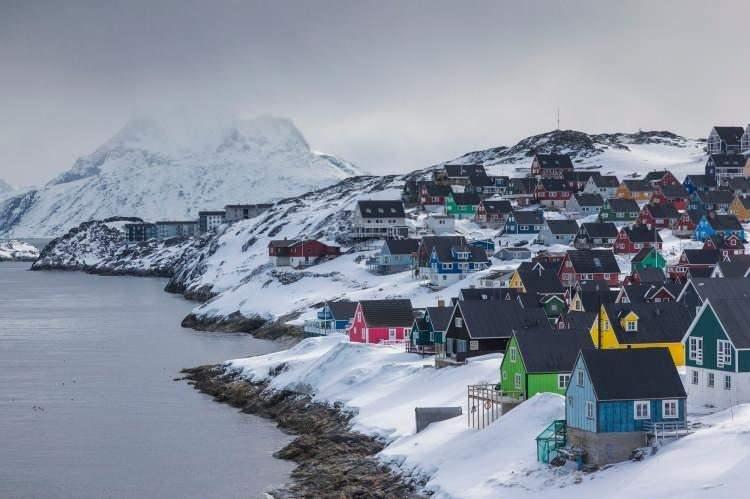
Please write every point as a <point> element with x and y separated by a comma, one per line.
<point>88,405</point>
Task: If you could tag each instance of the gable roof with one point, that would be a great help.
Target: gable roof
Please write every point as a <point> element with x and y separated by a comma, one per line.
<point>623,205</point>
<point>562,226</point>
<point>642,234</point>
<point>656,175</point>
<point>499,319</point>
<point>591,261</point>
<point>672,191</point>
<point>466,198</point>
<point>723,222</point>
<point>642,254</point>
<point>734,315</point>
<point>580,175</point>
<point>440,317</point>
<point>730,134</point>
<point>342,309</point>
<point>445,252</point>
<point>662,210</point>
<point>600,229</point>
<point>282,243</point>
<point>529,217</point>
<point>739,184</point>
<point>728,160</point>
<point>402,246</point>
<point>664,322</point>
<point>700,180</point>
<point>632,374</point>
<point>522,185</point>
<point>702,256</point>
<point>387,313</point>
<point>737,266</point>
<point>638,185</point>
<point>729,288</point>
<point>541,281</point>
<point>550,351</point>
<point>553,184</point>
<point>721,196</point>
<point>589,199</point>
<point>506,294</point>
<point>435,189</point>
<point>651,275</point>
<point>481,180</point>
<point>497,206</point>
<point>381,209</point>
<point>640,293</point>
<point>610,181</point>
<point>594,293</point>
<point>464,170</point>
<point>548,161</point>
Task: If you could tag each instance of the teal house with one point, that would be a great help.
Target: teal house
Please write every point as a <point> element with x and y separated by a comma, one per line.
<point>462,204</point>
<point>429,329</point>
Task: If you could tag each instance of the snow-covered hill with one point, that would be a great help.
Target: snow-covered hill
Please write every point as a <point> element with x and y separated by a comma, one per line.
<point>157,171</point>
<point>6,190</point>
<point>621,154</point>
<point>14,250</point>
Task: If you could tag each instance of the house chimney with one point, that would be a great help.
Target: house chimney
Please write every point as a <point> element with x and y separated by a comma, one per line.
<point>441,302</point>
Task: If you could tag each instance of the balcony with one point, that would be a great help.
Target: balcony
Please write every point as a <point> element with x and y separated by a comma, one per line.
<point>319,328</point>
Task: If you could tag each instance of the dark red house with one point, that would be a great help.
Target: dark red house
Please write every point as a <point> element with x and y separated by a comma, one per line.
<point>378,321</point>
<point>694,259</point>
<point>686,224</point>
<point>552,192</point>
<point>300,252</point>
<point>659,215</point>
<point>551,165</point>
<point>633,239</point>
<point>586,265</point>
<point>673,193</point>
<point>728,246</point>
<point>660,178</point>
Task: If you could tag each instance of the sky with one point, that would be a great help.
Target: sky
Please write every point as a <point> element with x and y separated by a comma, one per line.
<point>389,85</point>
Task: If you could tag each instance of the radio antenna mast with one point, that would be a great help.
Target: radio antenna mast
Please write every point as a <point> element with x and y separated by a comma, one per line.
<point>558,118</point>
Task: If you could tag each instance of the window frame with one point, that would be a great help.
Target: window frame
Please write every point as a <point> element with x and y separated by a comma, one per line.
<point>668,403</point>
<point>695,349</point>
<point>580,378</point>
<point>563,380</point>
<point>517,381</point>
<point>710,380</point>
<point>723,353</point>
<point>590,412</point>
<point>640,404</point>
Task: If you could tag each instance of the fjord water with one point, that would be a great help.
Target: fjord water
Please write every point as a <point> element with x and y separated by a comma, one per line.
<point>88,404</point>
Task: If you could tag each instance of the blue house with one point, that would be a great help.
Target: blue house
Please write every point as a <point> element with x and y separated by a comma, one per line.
<point>723,225</point>
<point>486,244</point>
<point>396,255</point>
<point>334,317</point>
<point>449,264</point>
<point>524,222</point>
<point>617,398</point>
<point>429,329</point>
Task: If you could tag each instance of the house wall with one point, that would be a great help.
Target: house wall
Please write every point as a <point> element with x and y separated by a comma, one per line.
<point>619,416</point>
<point>708,327</point>
<point>576,397</point>
<point>543,383</point>
<point>509,369</point>
<point>716,397</point>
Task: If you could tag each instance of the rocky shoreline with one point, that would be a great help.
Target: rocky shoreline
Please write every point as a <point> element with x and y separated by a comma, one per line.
<point>332,460</point>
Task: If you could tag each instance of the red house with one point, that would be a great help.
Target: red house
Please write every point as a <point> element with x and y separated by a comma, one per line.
<point>551,165</point>
<point>661,178</point>
<point>685,226</point>
<point>377,321</point>
<point>694,260</point>
<point>731,245</point>
<point>433,194</point>
<point>673,193</point>
<point>659,215</point>
<point>552,192</point>
<point>585,265</point>
<point>634,239</point>
<point>300,252</point>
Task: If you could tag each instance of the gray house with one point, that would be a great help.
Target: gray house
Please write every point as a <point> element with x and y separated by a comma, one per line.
<point>210,220</point>
<point>396,255</point>
<point>585,203</point>
<point>558,232</point>
<point>167,229</point>
<point>235,212</point>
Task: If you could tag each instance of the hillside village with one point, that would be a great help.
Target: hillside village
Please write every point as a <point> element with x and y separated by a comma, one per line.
<point>624,296</point>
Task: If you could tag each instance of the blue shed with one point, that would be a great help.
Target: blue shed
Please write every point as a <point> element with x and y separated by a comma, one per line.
<point>524,222</point>
<point>617,397</point>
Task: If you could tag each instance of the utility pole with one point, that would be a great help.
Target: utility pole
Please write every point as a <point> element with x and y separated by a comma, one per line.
<point>558,118</point>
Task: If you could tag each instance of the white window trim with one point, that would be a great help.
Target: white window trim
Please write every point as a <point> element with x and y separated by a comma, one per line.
<point>580,379</point>
<point>695,349</point>
<point>710,380</point>
<point>517,381</point>
<point>728,377</point>
<point>695,377</point>
<point>723,353</point>
<point>563,380</point>
<point>646,414</point>
<point>664,404</point>
<point>459,322</point>
<point>513,356</point>
<point>590,409</point>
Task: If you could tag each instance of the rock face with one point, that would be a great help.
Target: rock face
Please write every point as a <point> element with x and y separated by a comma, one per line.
<point>157,170</point>
<point>332,460</point>
<point>17,251</point>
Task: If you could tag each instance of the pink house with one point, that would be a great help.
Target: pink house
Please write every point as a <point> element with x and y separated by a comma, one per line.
<point>376,321</point>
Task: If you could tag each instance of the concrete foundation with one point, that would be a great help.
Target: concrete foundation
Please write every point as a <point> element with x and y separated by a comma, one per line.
<point>428,415</point>
<point>605,448</point>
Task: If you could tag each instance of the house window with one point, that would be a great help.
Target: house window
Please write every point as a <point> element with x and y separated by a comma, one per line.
<point>605,325</point>
<point>589,409</point>
<point>642,409</point>
<point>562,381</point>
<point>669,409</point>
<point>695,349</point>
<point>513,354</point>
<point>695,377</point>
<point>505,375</point>
<point>723,353</point>
<point>517,381</point>
<point>474,345</point>
<point>580,378</point>
<point>710,380</point>
<point>727,382</point>
<point>606,277</point>
<point>392,334</point>
<point>459,322</point>
<point>570,401</point>
<point>523,227</point>
<point>631,325</point>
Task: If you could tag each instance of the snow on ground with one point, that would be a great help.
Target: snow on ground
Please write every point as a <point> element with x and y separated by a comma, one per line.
<point>382,386</point>
<point>17,250</point>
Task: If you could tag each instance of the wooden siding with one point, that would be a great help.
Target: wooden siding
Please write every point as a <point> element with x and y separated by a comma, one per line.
<point>577,396</point>
<point>509,369</point>
<point>619,415</point>
<point>708,327</point>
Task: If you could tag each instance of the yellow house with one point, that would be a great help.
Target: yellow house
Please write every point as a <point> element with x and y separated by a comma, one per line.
<point>640,190</point>
<point>643,325</point>
<point>515,282</point>
<point>740,208</point>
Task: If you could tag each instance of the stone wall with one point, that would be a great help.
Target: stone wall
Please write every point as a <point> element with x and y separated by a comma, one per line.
<point>606,448</point>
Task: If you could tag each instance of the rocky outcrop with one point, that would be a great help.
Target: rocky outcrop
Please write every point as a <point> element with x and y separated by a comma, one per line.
<point>332,460</point>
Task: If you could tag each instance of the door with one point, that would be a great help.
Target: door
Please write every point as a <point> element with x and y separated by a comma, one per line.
<point>392,334</point>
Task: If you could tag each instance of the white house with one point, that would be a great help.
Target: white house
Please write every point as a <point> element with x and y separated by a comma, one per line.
<point>440,224</point>
<point>379,219</point>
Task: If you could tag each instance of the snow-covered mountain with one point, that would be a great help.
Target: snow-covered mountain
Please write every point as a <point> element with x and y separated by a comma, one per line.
<point>6,190</point>
<point>157,171</point>
<point>17,251</point>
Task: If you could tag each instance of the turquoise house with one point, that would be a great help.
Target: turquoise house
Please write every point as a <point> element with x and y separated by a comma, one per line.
<point>618,398</point>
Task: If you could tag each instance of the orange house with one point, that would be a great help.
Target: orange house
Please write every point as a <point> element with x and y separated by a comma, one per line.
<point>638,190</point>
<point>740,208</point>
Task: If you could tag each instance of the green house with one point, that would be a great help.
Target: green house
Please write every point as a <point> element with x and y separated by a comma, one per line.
<point>462,204</point>
<point>619,210</point>
<point>429,330</point>
<point>538,360</point>
<point>648,258</point>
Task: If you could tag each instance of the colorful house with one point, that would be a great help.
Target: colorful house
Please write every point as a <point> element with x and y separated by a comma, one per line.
<point>659,215</point>
<point>334,317</point>
<point>584,204</point>
<point>589,265</point>
<point>728,246</point>
<point>378,321</point>
<point>619,210</point>
<point>396,255</point>
<point>723,167</point>
<point>493,213</point>
<point>524,222</point>
<point>429,329</point>
<point>673,193</point>
<point>540,361</point>
<point>451,264</point>
<point>649,293</point>
<point>432,195</point>
<point>300,252</point>
<point>558,232</point>
<point>687,223</point>
<point>695,183</point>
<point>661,178</point>
<point>604,185</point>
<point>723,225</point>
<point>551,165</point>
<point>718,200</point>
<point>643,325</point>
<point>462,204</point>
<point>552,192</point>
<point>596,234</point>
<point>637,190</point>
<point>648,258</point>
<point>694,259</point>
<point>633,239</point>
<point>740,208</point>
<point>617,398</point>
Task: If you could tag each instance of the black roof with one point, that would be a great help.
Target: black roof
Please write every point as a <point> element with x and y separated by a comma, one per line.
<point>594,293</point>
<point>282,243</point>
<point>343,309</point>
<point>651,275</point>
<point>599,229</point>
<point>637,185</point>
<point>640,293</point>
<point>739,184</point>
<point>594,261</point>
<point>554,184</point>
<point>481,180</point>
<point>580,175</point>
<point>402,246</point>
<point>497,206</point>
<point>730,134</point>
<point>655,175</point>
<point>731,288</point>
<point>435,189</point>
<point>442,242</point>
<point>445,252</point>
<point>529,217</point>
<point>724,222</point>
<point>721,242</point>
<point>381,209</point>
<point>522,185</point>
<point>619,205</point>
<point>642,253</point>
<point>499,319</point>
<point>506,294</point>
<point>463,170</point>
<point>721,196</point>
<point>663,210</point>
<point>606,181</point>
<point>554,161</point>
<point>581,321</point>
<point>702,256</point>
<point>700,180</point>
<point>642,234</point>
<point>699,272</point>
<point>728,160</point>
<point>440,317</point>
<point>550,351</point>
<point>387,313</point>
<point>632,374</point>
<point>734,268</point>
<point>664,322</point>
<point>673,288</point>
<point>540,281</point>
<point>589,199</point>
<point>735,317</point>
<point>563,226</point>
<point>672,191</point>
<point>466,198</point>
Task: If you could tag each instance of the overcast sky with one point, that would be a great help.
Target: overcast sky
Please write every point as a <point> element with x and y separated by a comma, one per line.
<point>388,85</point>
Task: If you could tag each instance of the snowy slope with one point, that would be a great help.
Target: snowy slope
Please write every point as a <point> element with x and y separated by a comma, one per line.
<point>6,190</point>
<point>17,250</point>
<point>381,386</point>
<point>157,171</point>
